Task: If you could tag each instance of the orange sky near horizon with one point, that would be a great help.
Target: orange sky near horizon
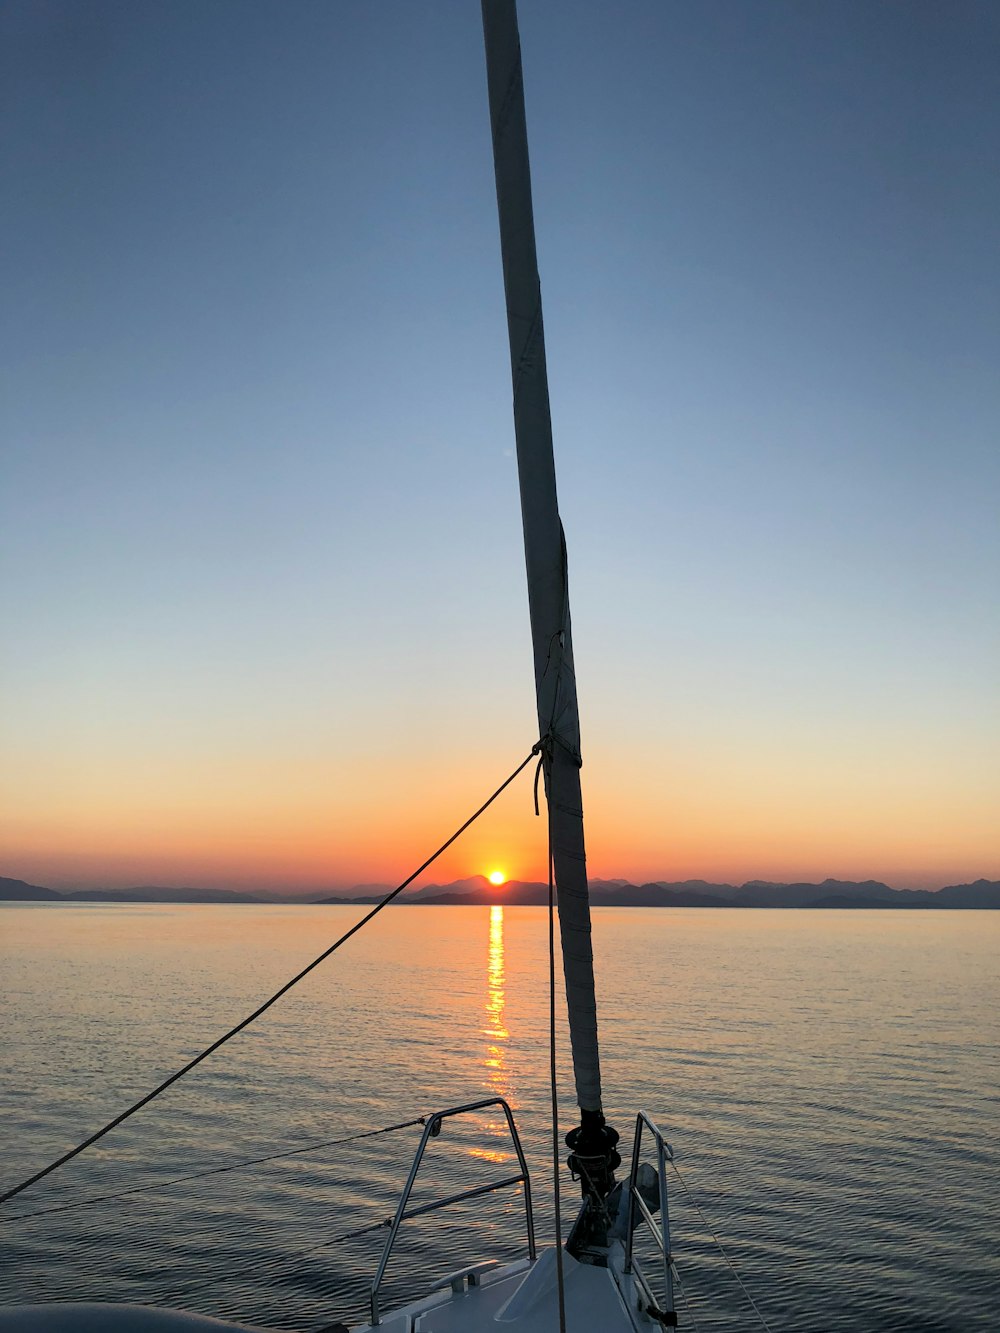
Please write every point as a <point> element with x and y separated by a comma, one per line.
<point>303,826</point>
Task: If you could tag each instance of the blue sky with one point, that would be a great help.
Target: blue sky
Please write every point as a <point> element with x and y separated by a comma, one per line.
<point>260,532</point>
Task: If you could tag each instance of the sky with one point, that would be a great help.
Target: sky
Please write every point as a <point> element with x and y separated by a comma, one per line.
<point>262,583</point>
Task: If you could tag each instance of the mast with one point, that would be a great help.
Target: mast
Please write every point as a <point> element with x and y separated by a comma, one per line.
<point>592,1143</point>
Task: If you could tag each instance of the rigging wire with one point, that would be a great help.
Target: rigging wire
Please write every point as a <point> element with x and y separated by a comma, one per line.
<point>185,1069</point>
<point>684,1296</point>
<point>276,1270</point>
<point>212,1171</point>
<point>722,1250</point>
<point>708,1226</point>
<point>278,1267</point>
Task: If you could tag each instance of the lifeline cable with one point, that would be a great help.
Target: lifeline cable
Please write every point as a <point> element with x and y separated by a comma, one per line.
<point>212,1171</point>
<point>684,1296</point>
<point>275,1270</point>
<point>162,1087</point>
<point>722,1249</point>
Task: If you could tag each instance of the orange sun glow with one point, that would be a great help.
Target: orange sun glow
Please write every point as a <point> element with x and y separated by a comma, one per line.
<point>497,877</point>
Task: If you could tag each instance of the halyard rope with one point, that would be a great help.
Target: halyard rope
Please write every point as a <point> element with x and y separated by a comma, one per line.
<point>556,1163</point>
<point>185,1069</point>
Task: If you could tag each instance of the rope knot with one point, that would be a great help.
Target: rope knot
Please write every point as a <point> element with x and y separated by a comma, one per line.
<point>543,748</point>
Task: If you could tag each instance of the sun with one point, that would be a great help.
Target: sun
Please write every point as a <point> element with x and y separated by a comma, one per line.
<point>497,877</point>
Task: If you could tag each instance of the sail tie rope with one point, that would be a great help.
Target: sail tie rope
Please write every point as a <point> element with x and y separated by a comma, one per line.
<point>185,1069</point>
<point>540,748</point>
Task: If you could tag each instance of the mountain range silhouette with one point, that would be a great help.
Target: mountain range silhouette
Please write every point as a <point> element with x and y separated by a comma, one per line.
<point>830,893</point>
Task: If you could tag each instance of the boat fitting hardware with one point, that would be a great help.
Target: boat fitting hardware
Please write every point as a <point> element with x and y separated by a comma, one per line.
<point>661,1231</point>
<point>432,1128</point>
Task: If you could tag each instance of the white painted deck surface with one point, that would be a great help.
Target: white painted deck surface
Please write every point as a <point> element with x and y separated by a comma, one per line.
<point>522,1298</point>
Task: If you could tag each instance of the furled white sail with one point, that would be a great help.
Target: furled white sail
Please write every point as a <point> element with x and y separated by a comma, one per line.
<point>544,546</point>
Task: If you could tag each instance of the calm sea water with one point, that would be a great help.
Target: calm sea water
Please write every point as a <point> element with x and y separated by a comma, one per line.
<point>830,1082</point>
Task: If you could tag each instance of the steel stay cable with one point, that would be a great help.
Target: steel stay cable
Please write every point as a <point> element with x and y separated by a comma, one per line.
<point>684,1296</point>
<point>277,1267</point>
<point>212,1171</point>
<point>673,1264</point>
<point>722,1250</point>
<point>185,1069</point>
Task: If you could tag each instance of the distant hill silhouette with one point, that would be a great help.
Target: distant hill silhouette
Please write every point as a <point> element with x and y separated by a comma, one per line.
<point>477,890</point>
<point>153,893</point>
<point>700,893</point>
<point>16,890</point>
<point>981,893</point>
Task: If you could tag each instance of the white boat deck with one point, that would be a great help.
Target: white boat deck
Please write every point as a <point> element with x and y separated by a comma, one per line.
<point>522,1298</point>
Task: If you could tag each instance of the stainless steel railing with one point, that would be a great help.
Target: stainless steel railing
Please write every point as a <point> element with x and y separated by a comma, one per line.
<point>431,1130</point>
<point>661,1231</point>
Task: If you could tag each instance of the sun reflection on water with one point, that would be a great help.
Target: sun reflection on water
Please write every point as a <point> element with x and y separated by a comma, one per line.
<point>496,1034</point>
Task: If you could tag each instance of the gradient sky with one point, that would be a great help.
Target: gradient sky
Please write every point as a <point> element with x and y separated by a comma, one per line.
<point>262,589</point>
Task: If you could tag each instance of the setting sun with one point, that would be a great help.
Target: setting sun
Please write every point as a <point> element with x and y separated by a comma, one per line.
<point>497,877</point>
